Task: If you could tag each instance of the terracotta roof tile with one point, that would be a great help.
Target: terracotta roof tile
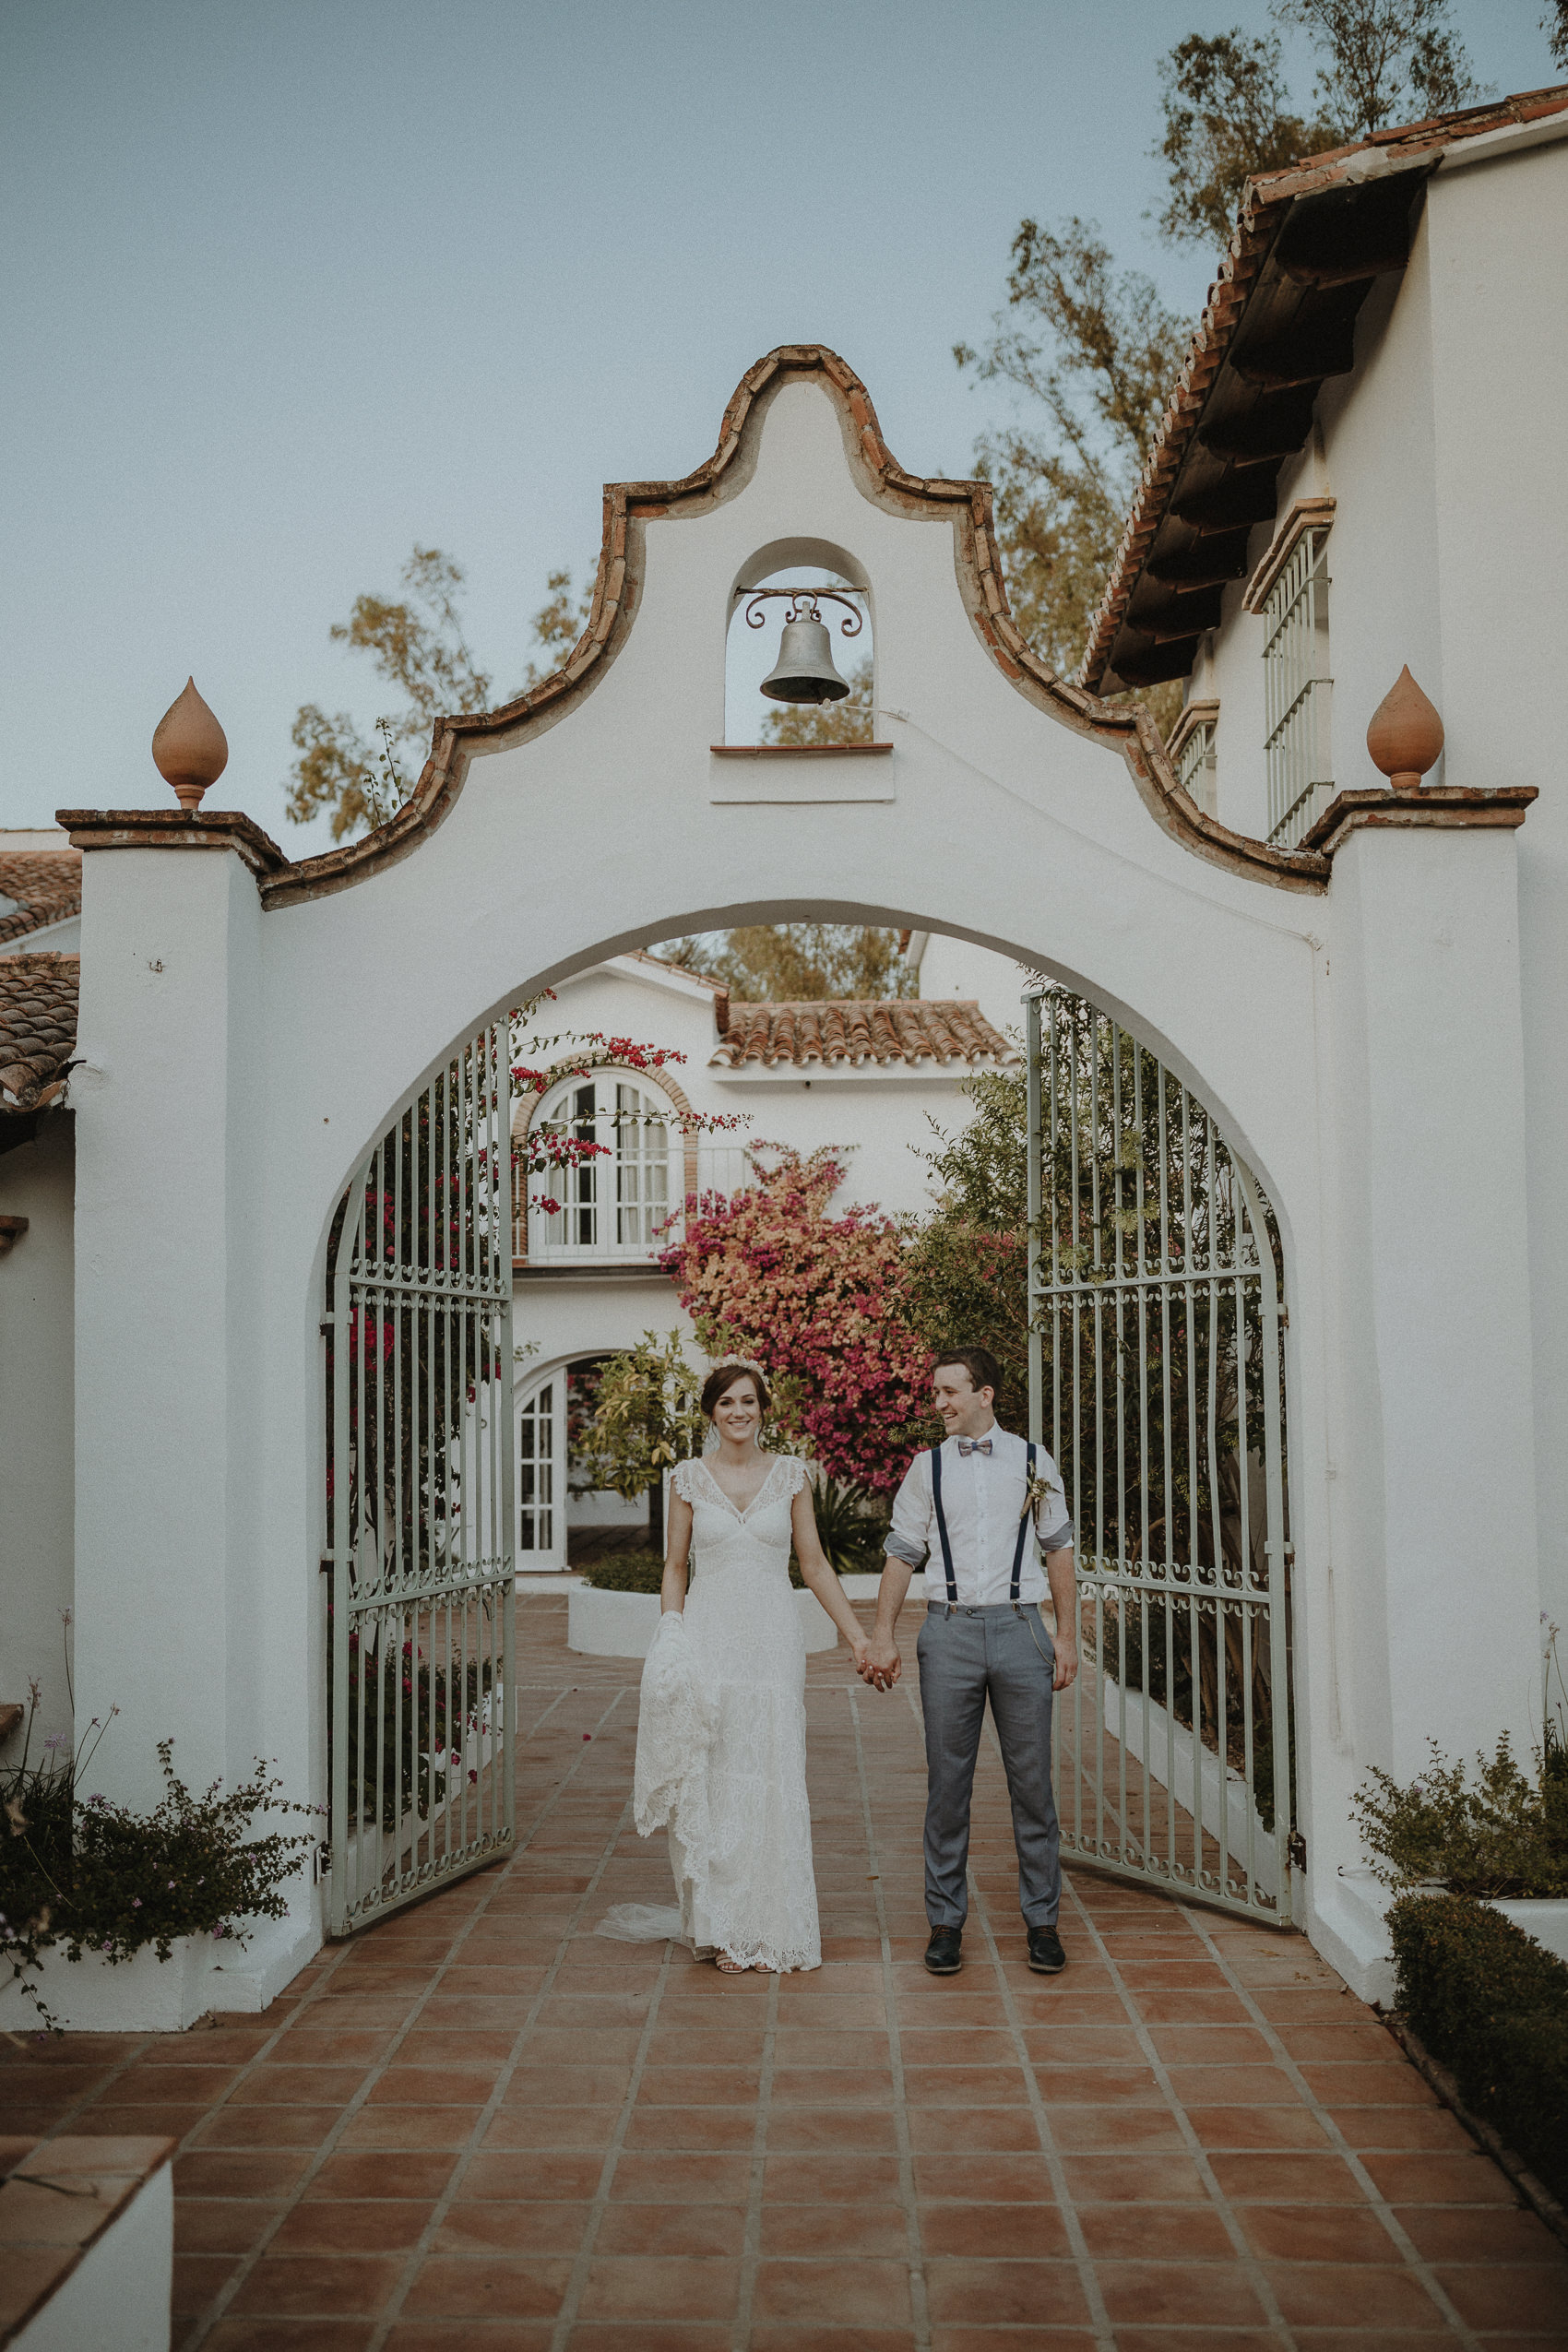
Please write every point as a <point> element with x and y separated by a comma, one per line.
<point>37,1028</point>
<point>46,885</point>
<point>854,1030</point>
<point>1266,202</point>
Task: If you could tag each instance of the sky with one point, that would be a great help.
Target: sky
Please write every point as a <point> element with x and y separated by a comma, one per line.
<point>287,285</point>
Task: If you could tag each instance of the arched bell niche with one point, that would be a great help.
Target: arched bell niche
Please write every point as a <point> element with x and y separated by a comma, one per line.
<point>753,627</point>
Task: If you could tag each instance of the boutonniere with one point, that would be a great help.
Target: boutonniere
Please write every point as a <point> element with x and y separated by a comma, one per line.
<point>1035,1492</point>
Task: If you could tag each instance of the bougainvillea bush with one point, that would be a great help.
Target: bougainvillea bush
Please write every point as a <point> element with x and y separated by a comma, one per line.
<point>770,1272</point>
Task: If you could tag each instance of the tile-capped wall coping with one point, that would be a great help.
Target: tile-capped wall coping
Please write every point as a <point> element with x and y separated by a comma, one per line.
<point>58,2198</point>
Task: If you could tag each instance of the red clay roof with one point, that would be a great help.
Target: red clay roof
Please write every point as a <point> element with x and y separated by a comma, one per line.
<point>852,1030</point>
<point>46,885</point>
<point>37,1028</point>
<point>1266,203</point>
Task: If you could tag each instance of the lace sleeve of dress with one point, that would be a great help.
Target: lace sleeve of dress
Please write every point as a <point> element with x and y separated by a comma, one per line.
<point>798,1476</point>
<point>680,1481</point>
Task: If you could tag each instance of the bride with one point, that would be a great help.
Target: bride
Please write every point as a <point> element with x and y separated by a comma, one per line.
<point>721,1731</point>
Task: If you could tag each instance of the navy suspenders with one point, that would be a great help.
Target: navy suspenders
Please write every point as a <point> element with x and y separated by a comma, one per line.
<point>941,1525</point>
<point>941,1528</point>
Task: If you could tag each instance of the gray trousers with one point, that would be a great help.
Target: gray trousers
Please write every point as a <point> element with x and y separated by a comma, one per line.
<point>967,1656</point>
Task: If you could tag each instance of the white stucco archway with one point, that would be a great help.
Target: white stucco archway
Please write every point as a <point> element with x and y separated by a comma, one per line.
<point>292,1007</point>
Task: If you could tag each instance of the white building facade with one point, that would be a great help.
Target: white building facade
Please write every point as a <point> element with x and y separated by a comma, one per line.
<point>1362,1013</point>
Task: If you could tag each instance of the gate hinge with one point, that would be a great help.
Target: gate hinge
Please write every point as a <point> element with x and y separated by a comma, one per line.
<point>1296,1850</point>
<point>320,1863</point>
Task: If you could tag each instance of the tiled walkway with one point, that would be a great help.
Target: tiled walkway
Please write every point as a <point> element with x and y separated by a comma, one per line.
<point>481,2124</point>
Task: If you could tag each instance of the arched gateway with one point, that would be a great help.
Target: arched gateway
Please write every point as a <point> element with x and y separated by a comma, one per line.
<point>1321,1007</point>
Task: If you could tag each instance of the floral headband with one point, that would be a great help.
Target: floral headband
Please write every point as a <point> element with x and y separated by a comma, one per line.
<point>739,1363</point>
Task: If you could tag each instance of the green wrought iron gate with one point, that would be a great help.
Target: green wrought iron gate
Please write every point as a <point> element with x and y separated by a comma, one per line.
<point>419,1503</point>
<point>1156,1381</point>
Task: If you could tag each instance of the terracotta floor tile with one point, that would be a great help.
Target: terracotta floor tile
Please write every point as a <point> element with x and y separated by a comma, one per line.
<point>196,2279</point>
<point>1314,2294</point>
<point>1198,2087</point>
<point>1277,2128</point>
<point>1477,2234</point>
<point>1023,2179</point>
<point>653,2335</point>
<point>410,2127</point>
<point>554,2175</point>
<point>826,2085</point>
<point>705,2230</point>
<point>976,2337</point>
<point>698,2086</point>
<point>480,2287</point>
<point>371,2226</point>
<point>1177,2233</point>
<point>537,2227</point>
<point>942,2129</point>
<point>1517,2296</point>
<point>823,2179</point>
<point>237,2173</point>
<point>1008,2293</point>
<point>1168,2006</point>
<point>862,2293</point>
<point>1317,2234</point>
<point>221,2225</point>
<point>1128,2129</point>
<point>1020,2233</point>
<point>1266,2178</point>
<point>842,2233</point>
<point>1393,2083</point>
<point>1469,2179</point>
<point>1203,2338</point>
<point>1429,2128</point>
<point>695,2127</point>
<point>797,2129</point>
<point>318,2285</point>
<point>807,2335</point>
<point>1212,2295</point>
<point>1117,2179</point>
<point>1099,2086</point>
<point>713,2179</point>
<point>260,2127</point>
<point>551,2127</point>
<point>291,2335</point>
<point>354,2174</point>
<point>570,2085</point>
<point>652,2286</point>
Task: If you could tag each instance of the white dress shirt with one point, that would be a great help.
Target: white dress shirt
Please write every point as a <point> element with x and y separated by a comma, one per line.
<point>982,1501</point>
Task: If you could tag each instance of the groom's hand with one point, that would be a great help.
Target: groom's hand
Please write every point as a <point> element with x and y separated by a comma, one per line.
<point>1067,1670</point>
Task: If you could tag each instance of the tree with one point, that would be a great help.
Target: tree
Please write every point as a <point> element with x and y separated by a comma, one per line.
<point>418,646</point>
<point>789,961</point>
<point>1097,351</point>
<point>1555,27</point>
<point>1226,117</point>
<point>768,1272</point>
<point>1384,61</point>
<point>646,1417</point>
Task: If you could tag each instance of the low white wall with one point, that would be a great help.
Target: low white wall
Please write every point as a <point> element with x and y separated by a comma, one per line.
<point>146,1995</point>
<point>118,2296</point>
<point>1223,1795</point>
<point>37,1414</point>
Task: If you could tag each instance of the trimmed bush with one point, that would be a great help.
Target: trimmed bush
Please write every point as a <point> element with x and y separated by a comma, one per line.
<point>628,1572</point>
<point>1491,2005</point>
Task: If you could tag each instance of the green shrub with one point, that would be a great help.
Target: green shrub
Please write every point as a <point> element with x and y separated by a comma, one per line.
<point>1491,2005</point>
<point>91,1876</point>
<point>1507,1837</point>
<point>628,1571</point>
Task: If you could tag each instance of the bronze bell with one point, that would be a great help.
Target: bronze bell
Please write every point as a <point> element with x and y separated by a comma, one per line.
<point>804,671</point>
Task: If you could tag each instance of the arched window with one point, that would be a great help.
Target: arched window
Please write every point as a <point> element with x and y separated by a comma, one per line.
<point>541,1473</point>
<point>611,1202</point>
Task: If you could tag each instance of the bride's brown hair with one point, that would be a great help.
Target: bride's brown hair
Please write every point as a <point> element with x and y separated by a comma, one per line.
<point>722,1378</point>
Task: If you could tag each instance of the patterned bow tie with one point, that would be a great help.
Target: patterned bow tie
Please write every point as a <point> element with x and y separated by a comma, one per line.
<point>967,1445</point>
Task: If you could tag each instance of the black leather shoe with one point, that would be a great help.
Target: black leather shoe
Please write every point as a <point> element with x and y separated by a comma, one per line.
<point>1045,1955</point>
<point>944,1953</point>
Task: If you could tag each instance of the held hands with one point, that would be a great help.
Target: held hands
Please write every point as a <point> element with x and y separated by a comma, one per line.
<point>878,1662</point>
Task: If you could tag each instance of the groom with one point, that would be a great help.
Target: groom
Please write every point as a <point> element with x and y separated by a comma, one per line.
<point>982,1506</point>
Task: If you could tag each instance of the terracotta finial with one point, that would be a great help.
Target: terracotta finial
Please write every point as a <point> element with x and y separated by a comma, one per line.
<point>189,748</point>
<point>1406,734</point>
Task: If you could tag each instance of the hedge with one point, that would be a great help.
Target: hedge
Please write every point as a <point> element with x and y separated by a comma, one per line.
<point>1491,2005</point>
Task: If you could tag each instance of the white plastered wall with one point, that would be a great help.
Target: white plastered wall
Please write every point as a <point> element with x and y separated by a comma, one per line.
<point>292,1035</point>
<point>37,1578</point>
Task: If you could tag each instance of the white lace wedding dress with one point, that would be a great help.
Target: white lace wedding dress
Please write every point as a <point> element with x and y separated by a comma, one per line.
<point>721,1739</point>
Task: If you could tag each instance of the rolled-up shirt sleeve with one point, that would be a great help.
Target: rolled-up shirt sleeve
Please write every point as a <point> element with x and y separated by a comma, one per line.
<point>1053,1522</point>
<point>909,1537</point>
